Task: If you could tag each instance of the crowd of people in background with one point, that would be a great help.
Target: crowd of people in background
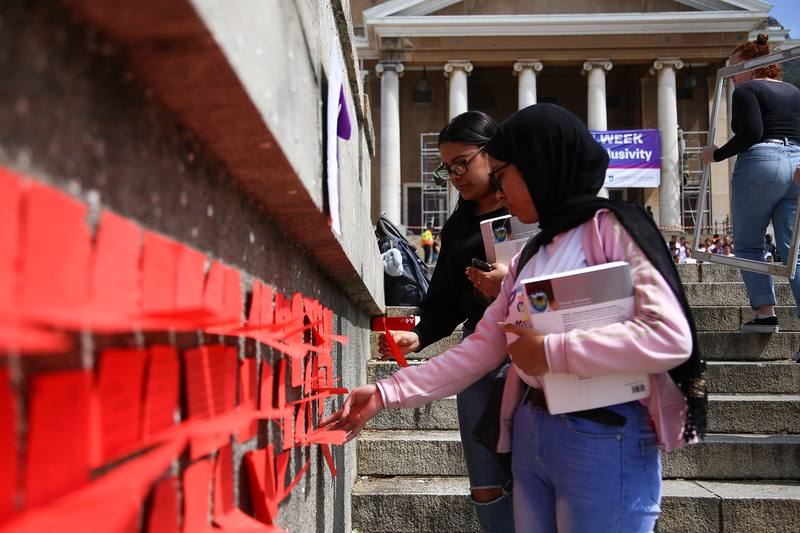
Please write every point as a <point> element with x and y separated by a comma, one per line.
<point>681,250</point>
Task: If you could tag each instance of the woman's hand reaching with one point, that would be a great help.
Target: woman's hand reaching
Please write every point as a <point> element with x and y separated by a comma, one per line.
<point>407,341</point>
<point>489,283</point>
<point>359,408</point>
<point>527,352</point>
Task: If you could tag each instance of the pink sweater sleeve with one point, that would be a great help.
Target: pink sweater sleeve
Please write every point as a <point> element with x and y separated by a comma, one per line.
<point>657,338</point>
<point>457,368</point>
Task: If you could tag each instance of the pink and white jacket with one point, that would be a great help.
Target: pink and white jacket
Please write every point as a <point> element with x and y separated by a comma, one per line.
<point>656,339</point>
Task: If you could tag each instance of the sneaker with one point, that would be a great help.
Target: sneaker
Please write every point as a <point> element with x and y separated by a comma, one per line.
<point>762,325</point>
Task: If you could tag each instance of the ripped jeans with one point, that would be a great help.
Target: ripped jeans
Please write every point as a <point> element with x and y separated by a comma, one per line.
<point>497,515</point>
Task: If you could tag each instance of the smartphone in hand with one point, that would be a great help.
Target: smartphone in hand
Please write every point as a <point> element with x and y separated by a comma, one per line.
<point>481,265</point>
<point>478,295</point>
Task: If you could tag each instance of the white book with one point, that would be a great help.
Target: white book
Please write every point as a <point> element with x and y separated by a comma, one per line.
<point>584,299</point>
<point>504,237</point>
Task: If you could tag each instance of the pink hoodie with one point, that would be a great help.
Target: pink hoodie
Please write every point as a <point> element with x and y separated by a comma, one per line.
<point>657,339</point>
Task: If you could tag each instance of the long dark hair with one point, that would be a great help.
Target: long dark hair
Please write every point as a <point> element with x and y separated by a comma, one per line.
<point>471,127</point>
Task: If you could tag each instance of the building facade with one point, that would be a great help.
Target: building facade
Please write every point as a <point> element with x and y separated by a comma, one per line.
<point>623,65</point>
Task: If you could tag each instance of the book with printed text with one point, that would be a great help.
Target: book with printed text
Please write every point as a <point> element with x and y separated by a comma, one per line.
<point>504,236</point>
<point>584,299</point>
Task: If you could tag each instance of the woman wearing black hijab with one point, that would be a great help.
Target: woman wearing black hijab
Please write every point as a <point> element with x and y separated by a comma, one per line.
<point>596,470</point>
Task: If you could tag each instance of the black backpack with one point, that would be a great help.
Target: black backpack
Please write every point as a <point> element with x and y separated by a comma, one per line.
<point>411,286</point>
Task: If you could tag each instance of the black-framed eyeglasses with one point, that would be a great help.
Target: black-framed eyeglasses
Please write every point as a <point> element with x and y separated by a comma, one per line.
<point>459,169</point>
<point>493,178</point>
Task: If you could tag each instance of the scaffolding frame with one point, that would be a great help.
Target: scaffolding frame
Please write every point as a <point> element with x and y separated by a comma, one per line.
<point>435,196</point>
<point>776,269</point>
<point>692,177</point>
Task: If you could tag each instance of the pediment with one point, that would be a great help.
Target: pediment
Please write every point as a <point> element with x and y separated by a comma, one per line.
<point>482,18</point>
<point>461,8</point>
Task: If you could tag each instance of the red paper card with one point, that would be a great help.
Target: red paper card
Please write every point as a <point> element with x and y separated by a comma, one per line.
<point>198,383</point>
<point>266,401</point>
<point>248,396</point>
<point>57,457</point>
<point>326,451</point>
<point>196,501</point>
<point>116,277</point>
<point>162,390</point>
<point>120,384</point>
<point>267,309</point>
<point>214,296</point>
<point>109,504</point>
<point>191,279</point>
<point>55,234</point>
<point>159,268</point>
<point>163,516</point>
<point>397,323</point>
<point>254,316</point>
<point>223,363</point>
<point>233,297</point>
<point>9,469</point>
<point>10,199</point>
<point>262,487</point>
<point>30,340</point>
<point>223,483</point>
<point>396,353</point>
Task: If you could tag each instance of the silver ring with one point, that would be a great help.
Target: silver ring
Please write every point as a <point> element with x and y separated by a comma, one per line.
<point>480,282</point>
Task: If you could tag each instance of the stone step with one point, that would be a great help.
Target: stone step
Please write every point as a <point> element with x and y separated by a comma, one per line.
<point>742,399</point>
<point>736,456</point>
<point>410,453</point>
<point>711,273</point>
<point>730,294</point>
<point>738,346</point>
<point>425,505</point>
<point>441,414</point>
<point>719,456</point>
<point>731,506</point>
<point>750,377</point>
<point>433,350</point>
<point>725,343</point>
<point>722,318</point>
<point>757,414</point>
<point>442,504</point>
<point>768,414</point>
<point>745,377</point>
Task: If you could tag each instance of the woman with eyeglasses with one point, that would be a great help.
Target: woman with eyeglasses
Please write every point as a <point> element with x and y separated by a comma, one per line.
<point>597,470</point>
<point>451,300</point>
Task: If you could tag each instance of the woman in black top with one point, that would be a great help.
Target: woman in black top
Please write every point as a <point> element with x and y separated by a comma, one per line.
<point>766,120</point>
<point>451,301</point>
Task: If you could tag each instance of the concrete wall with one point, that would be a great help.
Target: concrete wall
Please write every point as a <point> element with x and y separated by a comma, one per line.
<point>203,121</point>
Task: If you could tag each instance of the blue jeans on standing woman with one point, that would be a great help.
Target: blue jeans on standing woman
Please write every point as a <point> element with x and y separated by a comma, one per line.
<point>497,515</point>
<point>762,189</point>
<point>573,475</point>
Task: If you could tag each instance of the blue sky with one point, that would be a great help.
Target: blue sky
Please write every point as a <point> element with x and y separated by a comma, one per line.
<point>788,14</point>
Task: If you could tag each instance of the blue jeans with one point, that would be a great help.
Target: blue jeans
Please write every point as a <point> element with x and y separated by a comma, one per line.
<point>573,475</point>
<point>483,472</point>
<point>762,189</point>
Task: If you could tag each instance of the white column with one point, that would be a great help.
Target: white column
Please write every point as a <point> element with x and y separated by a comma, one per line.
<point>669,193</point>
<point>527,70</point>
<point>597,117</point>
<point>457,71</point>
<point>391,192</point>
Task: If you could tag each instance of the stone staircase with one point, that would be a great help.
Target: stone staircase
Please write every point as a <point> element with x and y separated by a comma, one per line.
<point>744,477</point>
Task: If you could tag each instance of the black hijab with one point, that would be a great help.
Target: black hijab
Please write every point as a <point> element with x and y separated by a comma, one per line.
<point>564,168</point>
